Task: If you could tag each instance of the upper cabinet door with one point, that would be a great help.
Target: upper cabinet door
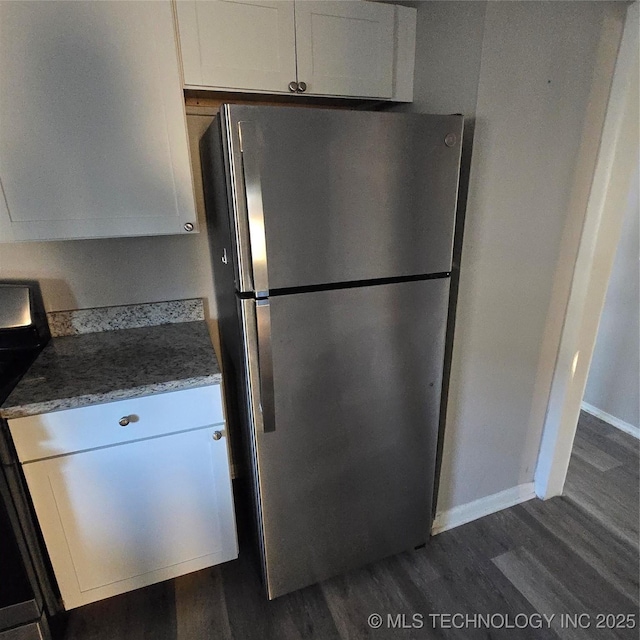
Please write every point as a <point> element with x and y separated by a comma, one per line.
<point>345,48</point>
<point>93,138</point>
<point>238,44</point>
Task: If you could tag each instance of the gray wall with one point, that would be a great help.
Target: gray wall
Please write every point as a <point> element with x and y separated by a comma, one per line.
<point>78,274</point>
<point>523,72</point>
<point>613,385</point>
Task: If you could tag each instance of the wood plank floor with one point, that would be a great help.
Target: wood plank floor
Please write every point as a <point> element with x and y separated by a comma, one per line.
<point>577,554</point>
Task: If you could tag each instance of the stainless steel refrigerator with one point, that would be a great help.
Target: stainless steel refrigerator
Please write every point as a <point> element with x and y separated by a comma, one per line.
<point>331,235</point>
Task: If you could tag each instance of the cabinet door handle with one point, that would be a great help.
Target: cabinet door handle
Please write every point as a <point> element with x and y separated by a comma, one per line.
<point>302,87</point>
<point>124,421</point>
<point>293,86</point>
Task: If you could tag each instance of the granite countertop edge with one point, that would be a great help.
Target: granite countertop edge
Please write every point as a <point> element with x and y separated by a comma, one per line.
<point>76,402</point>
<point>95,368</point>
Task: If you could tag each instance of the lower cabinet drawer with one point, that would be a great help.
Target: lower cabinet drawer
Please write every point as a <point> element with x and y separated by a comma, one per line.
<point>122,517</point>
<point>61,432</point>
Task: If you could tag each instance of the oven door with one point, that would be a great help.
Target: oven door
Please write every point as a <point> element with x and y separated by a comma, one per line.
<point>28,592</point>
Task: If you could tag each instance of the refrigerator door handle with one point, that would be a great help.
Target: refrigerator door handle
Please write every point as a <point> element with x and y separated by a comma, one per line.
<point>265,364</point>
<point>249,149</point>
<point>259,363</point>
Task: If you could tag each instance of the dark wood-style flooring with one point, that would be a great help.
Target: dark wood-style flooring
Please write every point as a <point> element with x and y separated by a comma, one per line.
<point>577,554</point>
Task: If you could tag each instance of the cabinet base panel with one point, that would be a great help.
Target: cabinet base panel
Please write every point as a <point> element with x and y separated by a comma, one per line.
<point>72,601</point>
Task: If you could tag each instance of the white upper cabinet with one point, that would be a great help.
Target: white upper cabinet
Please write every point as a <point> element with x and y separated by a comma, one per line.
<point>93,138</point>
<point>237,44</point>
<point>343,48</point>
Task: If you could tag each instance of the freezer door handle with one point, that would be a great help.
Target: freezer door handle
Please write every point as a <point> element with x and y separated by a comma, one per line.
<point>250,149</point>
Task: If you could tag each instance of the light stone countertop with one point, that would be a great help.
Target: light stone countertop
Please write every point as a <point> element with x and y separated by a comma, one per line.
<point>92,368</point>
<point>130,316</point>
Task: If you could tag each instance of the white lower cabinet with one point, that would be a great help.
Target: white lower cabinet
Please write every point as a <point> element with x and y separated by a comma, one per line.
<point>132,514</point>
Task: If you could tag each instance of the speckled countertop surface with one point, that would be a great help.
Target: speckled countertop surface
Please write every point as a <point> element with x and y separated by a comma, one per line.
<point>76,371</point>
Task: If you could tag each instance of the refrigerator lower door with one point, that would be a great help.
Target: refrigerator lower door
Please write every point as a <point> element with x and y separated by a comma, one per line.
<point>346,464</point>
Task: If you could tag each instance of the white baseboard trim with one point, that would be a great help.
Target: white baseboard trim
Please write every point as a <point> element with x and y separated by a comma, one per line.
<point>458,516</point>
<point>612,420</point>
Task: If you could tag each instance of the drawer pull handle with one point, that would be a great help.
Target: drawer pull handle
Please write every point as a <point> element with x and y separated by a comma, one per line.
<point>123,422</point>
<point>217,435</point>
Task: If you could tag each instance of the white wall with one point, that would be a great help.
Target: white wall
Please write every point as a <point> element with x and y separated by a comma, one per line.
<point>589,244</point>
<point>535,65</point>
<point>613,385</point>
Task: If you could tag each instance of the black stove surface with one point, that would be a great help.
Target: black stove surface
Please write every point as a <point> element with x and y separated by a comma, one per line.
<point>13,365</point>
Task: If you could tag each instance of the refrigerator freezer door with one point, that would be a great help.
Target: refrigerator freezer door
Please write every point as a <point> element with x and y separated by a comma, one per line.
<point>341,196</point>
<point>346,477</point>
